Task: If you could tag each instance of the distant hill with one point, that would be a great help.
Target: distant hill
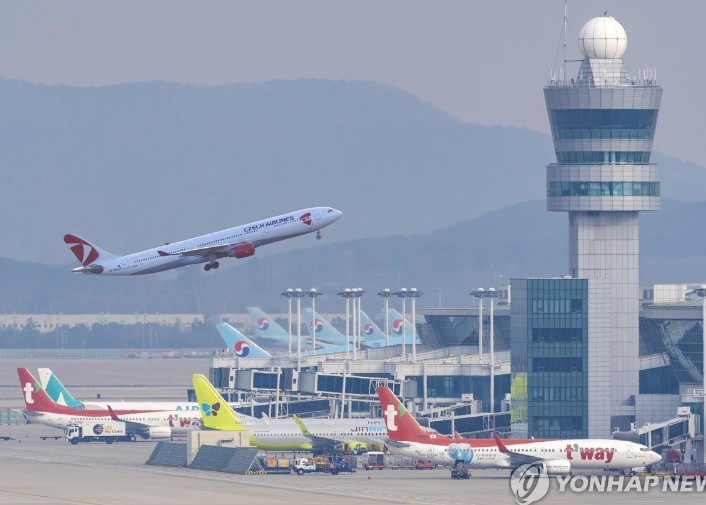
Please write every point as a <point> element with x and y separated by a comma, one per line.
<point>519,240</point>
<point>135,165</point>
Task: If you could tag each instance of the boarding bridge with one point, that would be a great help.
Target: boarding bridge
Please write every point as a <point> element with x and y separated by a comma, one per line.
<point>683,430</point>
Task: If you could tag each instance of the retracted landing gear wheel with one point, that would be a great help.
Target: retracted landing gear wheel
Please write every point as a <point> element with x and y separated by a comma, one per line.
<point>207,267</point>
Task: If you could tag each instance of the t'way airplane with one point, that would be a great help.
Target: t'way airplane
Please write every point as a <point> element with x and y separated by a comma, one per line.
<point>238,242</point>
<point>39,408</point>
<point>407,438</point>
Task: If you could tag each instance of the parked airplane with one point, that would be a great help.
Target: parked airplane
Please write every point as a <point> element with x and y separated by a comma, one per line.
<point>324,331</point>
<point>266,326</point>
<point>238,242</point>
<point>396,327</point>
<point>559,456</point>
<point>58,393</point>
<point>285,434</point>
<point>238,344</point>
<point>39,408</point>
<point>241,346</point>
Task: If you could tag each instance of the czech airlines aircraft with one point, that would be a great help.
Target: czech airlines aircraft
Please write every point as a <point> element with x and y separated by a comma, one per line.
<point>559,456</point>
<point>39,408</point>
<point>238,242</point>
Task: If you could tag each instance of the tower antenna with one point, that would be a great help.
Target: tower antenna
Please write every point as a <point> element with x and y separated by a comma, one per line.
<point>565,12</point>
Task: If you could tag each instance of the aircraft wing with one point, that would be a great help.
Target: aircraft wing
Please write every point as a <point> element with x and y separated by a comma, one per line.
<point>203,251</point>
<point>393,444</point>
<point>131,426</point>
<point>516,458</point>
<point>316,440</point>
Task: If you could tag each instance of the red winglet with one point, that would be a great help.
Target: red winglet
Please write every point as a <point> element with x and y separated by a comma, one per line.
<point>162,253</point>
<point>113,415</point>
<point>501,446</point>
<point>457,434</point>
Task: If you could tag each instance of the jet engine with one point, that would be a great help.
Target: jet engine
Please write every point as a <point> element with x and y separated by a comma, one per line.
<point>557,466</point>
<point>243,250</point>
<point>156,432</point>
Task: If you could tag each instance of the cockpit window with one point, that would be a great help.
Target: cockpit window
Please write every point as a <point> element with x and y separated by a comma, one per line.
<point>329,211</point>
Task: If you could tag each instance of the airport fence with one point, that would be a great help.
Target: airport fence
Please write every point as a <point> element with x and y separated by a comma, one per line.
<point>9,416</point>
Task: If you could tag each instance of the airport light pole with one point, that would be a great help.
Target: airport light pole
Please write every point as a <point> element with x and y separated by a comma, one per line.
<point>313,294</point>
<point>480,293</point>
<point>289,294</point>
<point>491,293</point>
<point>354,294</point>
<point>359,295</point>
<point>299,294</point>
<point>702,293</point>
<point>347,294</point>
<point>403,293</point>
<point>386,294</point>
<point>414,294</point>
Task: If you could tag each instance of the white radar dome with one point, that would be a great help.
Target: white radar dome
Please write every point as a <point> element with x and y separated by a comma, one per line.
<point>603,38</point>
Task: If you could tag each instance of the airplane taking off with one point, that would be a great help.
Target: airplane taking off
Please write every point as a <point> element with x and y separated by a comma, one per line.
<point>266,326</point>
<point>560,457</point>
<point>238,242</point>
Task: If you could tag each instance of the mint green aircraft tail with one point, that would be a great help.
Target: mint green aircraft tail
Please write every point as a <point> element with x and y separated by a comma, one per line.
<point>56,390</point>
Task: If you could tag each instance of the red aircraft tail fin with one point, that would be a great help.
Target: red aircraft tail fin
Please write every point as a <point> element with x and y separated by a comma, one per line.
<point>401,426</point>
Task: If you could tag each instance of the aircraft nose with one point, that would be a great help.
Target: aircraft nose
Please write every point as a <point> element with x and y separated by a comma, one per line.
<point>656,458</point>
<point>337,214</point>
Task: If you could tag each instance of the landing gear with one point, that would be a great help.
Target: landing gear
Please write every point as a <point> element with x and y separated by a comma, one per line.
<point>460,471</point>
<point>215,265</point>
<point>207,267</point>
<point>318,234</point>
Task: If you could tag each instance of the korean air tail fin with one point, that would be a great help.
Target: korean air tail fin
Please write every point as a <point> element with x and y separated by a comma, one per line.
<point>266,327</point>
<point>323,328</point>
<point>86,253</point>
<point>216,412</point>
<point>56,390</point>
<point>240,345</point>
<point>397,327</point>
<point>374,336</point>
<point>401,426</point>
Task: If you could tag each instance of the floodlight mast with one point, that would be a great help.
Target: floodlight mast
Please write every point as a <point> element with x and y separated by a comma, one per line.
<point>289,293</point>
<point>347,294</point>
<point>299,294</point>
<point>491,293</point>
<point>414,294</point>
<point>312,293</point>
<point>386,294</point>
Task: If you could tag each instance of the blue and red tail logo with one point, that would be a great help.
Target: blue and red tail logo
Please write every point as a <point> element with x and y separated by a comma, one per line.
<point>397,326</point>
<point>318,325</point>
<point>305,218</point>
<point>369,329</point>
<point>263,323</point>
<point>241,348</point>
<point>83,251</point>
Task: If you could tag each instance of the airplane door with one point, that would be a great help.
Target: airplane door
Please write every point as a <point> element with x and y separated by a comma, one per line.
<point>317,216</point>
<point>126,264</point>
<point>629,451</point>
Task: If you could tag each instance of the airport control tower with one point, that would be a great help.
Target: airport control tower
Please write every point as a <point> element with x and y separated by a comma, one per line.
<point>603,125</point>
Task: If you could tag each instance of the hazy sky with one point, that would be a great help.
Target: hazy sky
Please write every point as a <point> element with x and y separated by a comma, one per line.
<point>483,62</point>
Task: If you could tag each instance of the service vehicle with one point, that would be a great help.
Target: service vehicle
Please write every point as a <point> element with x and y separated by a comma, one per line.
<point>91,431</point>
